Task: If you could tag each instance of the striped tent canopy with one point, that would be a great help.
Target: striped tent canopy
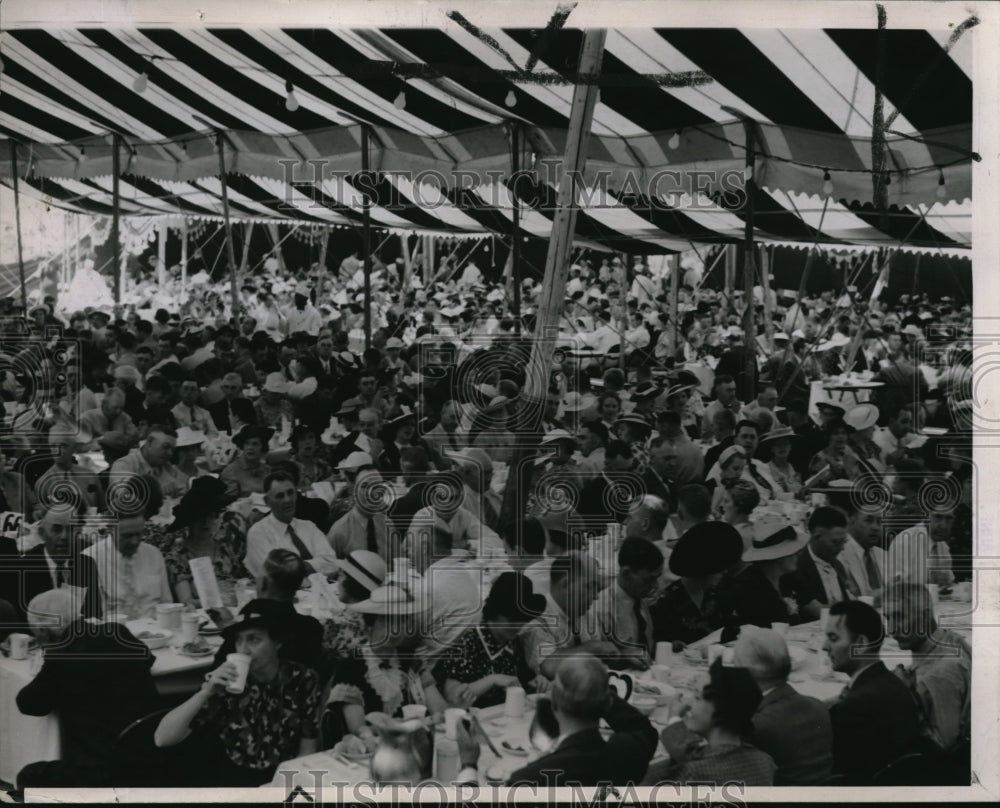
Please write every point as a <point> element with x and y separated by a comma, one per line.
<point>665,165</point>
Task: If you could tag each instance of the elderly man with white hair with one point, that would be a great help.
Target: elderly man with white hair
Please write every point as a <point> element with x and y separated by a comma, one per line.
<point>793,729</point>
<point>64,481</point>
<point>110,417</point>
<point>96,678</point>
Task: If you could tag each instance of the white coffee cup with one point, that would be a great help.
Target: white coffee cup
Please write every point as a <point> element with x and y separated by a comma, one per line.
<point>824,616</point>
<point>242,663</point>
<point>779,628</point>
<point>168,615</point>
<point>934,589</point>
<point>451,718</point>
<point>516,699</point>
<point>19,646</point>
<point>414,711</point>
<point>664,653</point>
<point>189,626</point>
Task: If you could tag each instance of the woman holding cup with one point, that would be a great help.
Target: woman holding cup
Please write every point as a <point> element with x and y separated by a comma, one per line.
<point>384,677</point>
<point>253,711</point>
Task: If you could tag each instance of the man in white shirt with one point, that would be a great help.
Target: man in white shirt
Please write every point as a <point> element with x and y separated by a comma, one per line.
<point>187,412</point>
<point>303,316</point>
<point>591,440</point>
<point>476,469</point>
<point>363,527</point>
<point>819,579</point>
<point>748,438</point>
<point>572,586</point>
<point>280,528</point>
<point>920,554</point>
<point>620,614</point>
<point>604,338</point>
<point>863,557</point>
<point>153,459</point>
<point>132,573</point>
<point>889,438</point>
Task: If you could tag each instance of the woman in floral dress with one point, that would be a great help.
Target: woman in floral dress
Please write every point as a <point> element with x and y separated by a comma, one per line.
<point>307,455</point>
<point>361,573</point>
<point>378,679</point>
<point>240,738</point>
<point>200,530</point>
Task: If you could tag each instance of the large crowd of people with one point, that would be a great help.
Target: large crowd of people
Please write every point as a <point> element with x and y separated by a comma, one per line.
<point>482,536</point>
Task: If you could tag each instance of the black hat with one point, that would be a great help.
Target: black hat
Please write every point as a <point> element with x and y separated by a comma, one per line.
<point>706,549</point>
<point>206,495</point>
<point>512,596</point>
<point>265,433</point>
<point>273,615</point>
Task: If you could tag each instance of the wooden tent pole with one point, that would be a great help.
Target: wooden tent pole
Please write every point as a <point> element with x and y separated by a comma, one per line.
<point>17,223</point>
<point>556,269</point>
<point>116,195</point>
<point>220,145</point>
<point>675,271</point>
<point>765,282</point>
<point>367,237</point>
<point>515,229</point>
<point>184,255</point>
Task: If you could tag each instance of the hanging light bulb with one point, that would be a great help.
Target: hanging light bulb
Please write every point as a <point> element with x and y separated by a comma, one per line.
<point>141,82</point>
<point>486,248</point>
<point>511,99</point>
<point>291,102</point>
<point>675,140</point>
<point>941,192</point>
<point>400,102</point>
<point>827,183</point>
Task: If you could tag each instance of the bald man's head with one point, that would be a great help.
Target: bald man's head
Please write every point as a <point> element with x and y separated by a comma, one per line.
<point>580,688</point>
<point>764,653</point>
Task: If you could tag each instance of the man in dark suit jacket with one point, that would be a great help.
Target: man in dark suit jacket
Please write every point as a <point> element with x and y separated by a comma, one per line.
<point>232,389</point>
<point>580,699</point>
<point>598,500</point>
<point>97,679</point>
<point>875,720</point>
<point>51,564</point>
<point>820,578</point>
<point>793,729</point>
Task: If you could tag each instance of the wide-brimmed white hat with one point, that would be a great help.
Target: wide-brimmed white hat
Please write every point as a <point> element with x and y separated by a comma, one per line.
<point>275,383</point>
<point>186,436</point>
<point>862,416</point>
<point>396,597</point>
<point>355,460</point>
<point>557,435</point>
<point>774,536</point>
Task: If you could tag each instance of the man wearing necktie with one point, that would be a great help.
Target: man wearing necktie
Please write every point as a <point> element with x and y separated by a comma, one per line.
<point>820,579</point>
<point>188,413</point>
<point>364,526</point>
<point>280,528</point>
<point>620,614</point>
<point>863,558</point>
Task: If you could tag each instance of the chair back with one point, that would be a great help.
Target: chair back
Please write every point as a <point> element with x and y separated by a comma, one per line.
<point>914,769</point>
<point>138,761</point>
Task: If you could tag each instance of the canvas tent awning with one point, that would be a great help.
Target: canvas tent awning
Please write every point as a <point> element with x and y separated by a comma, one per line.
<point>440,100</point>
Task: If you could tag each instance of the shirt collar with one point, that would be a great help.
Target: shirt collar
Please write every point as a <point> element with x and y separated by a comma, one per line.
<point>820,563</point>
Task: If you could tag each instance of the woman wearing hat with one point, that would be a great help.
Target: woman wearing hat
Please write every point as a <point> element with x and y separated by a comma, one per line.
<point>360,574</point>
<point>385,675</point>
<point>399,432</point>
<point>687,610</point>
<point>187,450</point>
<point>307,456</point>
<point>863,418</point>
<point>245,475</point>
<point>241,738</point>
<point>759,594</point>
<point>732,463</point>
<point>273,405</point>
<point>487,659</point>
<point>200,531</point>
<point>838,455</point>
<point>778,443</point>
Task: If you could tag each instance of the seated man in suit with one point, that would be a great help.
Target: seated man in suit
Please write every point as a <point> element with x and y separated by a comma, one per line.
<point>96,678</point>
<point>793,729</point>
<point>54,562</point>
<point>820,579</point>
<point>875,720</point>
<point>580,699</point>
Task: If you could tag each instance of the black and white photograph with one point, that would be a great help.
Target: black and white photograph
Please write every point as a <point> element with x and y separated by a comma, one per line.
<point>580,402</point>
